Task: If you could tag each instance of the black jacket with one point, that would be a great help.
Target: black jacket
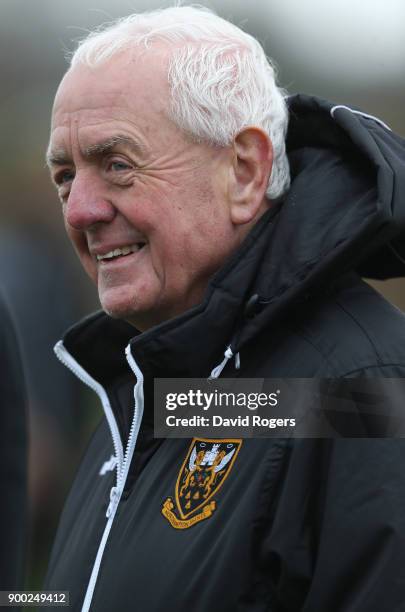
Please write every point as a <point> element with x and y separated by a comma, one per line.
<point>13,457</point>
<point>304,525</point>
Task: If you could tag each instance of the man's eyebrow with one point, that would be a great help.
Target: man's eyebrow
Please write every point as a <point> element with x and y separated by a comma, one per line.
<point>106,146</point>
<point>59,157</point>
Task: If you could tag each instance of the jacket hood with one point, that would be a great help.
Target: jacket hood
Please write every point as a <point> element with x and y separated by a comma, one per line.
<point>345,211</point>
<point>346,205</point>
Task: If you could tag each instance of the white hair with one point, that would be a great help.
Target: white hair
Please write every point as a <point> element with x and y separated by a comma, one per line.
<point>219,77</point>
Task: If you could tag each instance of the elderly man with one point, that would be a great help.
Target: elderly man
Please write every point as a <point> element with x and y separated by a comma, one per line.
<point>168,151</point>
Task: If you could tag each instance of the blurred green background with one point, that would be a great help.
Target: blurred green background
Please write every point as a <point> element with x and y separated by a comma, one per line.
<point>350,52</point>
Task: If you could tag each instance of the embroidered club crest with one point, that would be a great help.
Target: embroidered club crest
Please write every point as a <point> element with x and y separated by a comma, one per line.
<point>204,470</point>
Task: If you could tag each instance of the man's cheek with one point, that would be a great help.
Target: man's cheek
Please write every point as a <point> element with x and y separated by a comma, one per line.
<point>158,260</point>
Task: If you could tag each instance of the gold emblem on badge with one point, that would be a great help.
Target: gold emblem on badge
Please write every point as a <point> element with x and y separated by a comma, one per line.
<point>204,470</point>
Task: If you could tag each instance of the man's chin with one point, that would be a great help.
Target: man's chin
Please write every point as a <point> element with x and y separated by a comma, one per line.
<point>117,308</point>
<point>118,311</point>
<point>141,314</point>
<point>128,310</point>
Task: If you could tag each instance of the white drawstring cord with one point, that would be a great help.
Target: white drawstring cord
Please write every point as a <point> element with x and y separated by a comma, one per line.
<point>218,369</point>
<point>356,112</point>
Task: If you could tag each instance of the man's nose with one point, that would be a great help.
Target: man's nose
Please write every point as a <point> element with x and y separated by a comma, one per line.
<point>88,203</point>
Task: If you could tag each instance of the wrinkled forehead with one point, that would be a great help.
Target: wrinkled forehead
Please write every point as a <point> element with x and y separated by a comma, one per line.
<point>131,80</point>
<point>124,98</point>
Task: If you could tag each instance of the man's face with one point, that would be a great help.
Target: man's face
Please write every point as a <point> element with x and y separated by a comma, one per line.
<point>146,209</point>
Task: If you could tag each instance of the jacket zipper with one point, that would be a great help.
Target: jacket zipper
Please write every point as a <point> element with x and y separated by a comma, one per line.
<point>123,460</point>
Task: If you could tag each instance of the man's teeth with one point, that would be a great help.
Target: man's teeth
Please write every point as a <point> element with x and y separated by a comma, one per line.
<point>126,250</point>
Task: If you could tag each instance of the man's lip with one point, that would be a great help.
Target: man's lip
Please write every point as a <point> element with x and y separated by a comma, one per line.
<point>117,261</point>
<point>107,248</point>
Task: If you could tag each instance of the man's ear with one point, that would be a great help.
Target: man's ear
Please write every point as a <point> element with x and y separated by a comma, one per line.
<point>249,174</point>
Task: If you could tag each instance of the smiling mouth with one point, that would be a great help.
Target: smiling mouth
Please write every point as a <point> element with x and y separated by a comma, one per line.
<point>121,252</point>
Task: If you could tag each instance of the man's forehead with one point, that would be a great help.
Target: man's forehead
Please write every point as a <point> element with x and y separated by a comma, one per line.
<point>103,104</point>
<point>128,74</point>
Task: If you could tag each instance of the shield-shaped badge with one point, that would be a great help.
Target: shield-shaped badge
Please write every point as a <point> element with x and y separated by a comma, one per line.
<point>204,470</point>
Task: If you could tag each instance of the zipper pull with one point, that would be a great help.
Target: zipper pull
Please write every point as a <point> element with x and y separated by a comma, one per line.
<point>115,495</point>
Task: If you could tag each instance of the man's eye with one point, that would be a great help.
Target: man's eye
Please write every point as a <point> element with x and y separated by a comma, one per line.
<point>66,176</point>
<point>118,166</point>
